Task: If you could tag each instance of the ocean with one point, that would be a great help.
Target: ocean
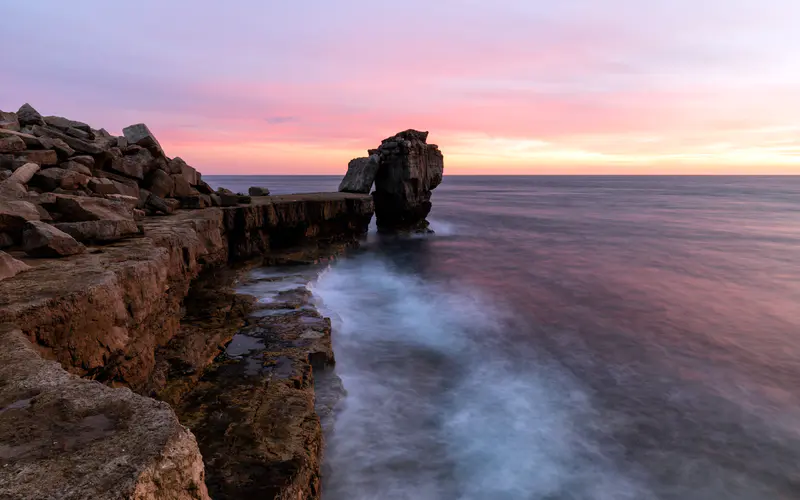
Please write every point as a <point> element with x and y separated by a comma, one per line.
<point>570,338</point>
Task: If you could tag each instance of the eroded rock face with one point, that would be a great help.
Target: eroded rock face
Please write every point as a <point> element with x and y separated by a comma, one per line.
<point>10,267</point>
<point>40,239</point>
<point>409,170</point>
<point>360,175</point>
<point>72,439</point>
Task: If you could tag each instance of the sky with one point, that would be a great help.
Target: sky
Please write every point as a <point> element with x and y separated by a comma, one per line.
<point>503,86</point>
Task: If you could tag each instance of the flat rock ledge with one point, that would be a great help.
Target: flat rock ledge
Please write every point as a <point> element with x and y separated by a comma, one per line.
<point>83,344</point>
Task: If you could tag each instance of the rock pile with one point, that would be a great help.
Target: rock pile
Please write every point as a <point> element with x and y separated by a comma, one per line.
<point>86,184</point>
<point>405,169</point>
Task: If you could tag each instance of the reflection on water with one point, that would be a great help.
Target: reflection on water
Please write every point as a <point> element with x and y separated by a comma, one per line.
<point>574,338</point>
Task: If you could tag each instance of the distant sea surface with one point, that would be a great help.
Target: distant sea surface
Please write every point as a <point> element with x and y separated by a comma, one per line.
<point>570,338</point>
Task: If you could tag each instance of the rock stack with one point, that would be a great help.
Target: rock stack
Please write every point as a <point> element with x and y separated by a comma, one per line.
<point>61,180</point>
<point>405,169</point>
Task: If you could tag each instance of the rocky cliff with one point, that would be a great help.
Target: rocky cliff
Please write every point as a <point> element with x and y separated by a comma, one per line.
<point>113,292</point>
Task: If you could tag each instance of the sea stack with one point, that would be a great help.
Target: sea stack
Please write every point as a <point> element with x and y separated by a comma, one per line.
<point>405,169</point>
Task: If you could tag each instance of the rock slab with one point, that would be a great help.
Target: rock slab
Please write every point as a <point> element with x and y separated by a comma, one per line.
<point>360,175</point>
<point>40,239</point>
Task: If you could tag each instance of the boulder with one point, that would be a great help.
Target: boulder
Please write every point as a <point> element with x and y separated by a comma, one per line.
<point>79,145</point>
<point>126,188</point>
<point>134,166</point>
<point>84,160</point>
<point>50,179</point>
<point>41,157</point>
<point>189,173</point>
<point>31,141</point>
<point>139,134</point>
<point>222,190</point>
<point>61,148</point>
<point>409,170</point>
<point>258,191</point>
<point>154,204</point>
<point>204,188</point>
<point>66,124</point>
<point>360,175</point>
<point>131,201</point>
<point>11,144</point>
<point>14,214</point>
<point>195,202</point>
<point>182,187</point>
<point>9,121</point>
<point>12,189</point>
<point>40,239</point>
<point>228,199</point>
<point>122,142</point>
<point>29,116</point>
<point>5,174</point>
<point>10,267</point>
<point>77,209</point>
<point>103,186</point>
<point>25,173</point>
<point>99,231</point>
<point>74,166</point>
<point>160,183</point>
<point>175,165</point>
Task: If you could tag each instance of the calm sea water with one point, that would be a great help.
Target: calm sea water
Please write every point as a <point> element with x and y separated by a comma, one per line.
<point>571,338</point>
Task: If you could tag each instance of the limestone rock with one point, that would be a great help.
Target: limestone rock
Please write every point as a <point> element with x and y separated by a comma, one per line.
<point>139,134</point>
<point>10,267</point>
<point>11,144</point>
<point>9,121</point>
<point>25,173</point>
<point>79,145</point>
<point>360,175</point>
<point>40,239</point>
<point>195,201</point>
<point>41,157</point>
<point>76,209</point>
<point>29,116</point>
<point>100,231</point>
<point>66,124</point>
<point>160,183</point>
<point>14,214</point>
<point>258,191</point>
<point>409,170</point>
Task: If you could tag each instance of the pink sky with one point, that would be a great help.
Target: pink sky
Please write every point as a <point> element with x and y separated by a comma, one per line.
<point>524,87</point>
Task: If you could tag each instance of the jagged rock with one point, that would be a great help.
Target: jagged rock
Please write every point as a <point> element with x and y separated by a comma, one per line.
<point>9,121</point>
<point>12,189</point>
<point>360,175</point>
<point>195,201</point>
<point>53,178</point>
<point>182,188</point>
<point>134,166</point>
<point>139,134</point>
<point>6,240</point>
<point>103,186</point>
<point>122,142</point>
<point>11,144</point>
<point>42,157</point>
<point>100,231</point>
<point>222,190</point>
<point>204,188</point>
<point>25,173</point>
<point>126,188</point>
<point>160,183</point>
<point>189,173</point>
<point>74,209</point>
<point>258,191</point>
<point>29,116</point>
<point>79,145</point>
<point>31,141</point>
<point>216,201</point>
<point>67,124</point>
<point>131,201</point>
<point>85,160</point>
<point>175,165</point>
<point>10,267</point>
<point>76,167</point>
<point>153,203</point>
<point>40,239</point>
<point>61,148</point>
<point>228,199</point>
<point>5,174</point>
<point>409,170</point>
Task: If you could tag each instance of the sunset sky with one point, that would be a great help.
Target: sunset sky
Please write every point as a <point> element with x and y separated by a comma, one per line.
<point>522,87</point>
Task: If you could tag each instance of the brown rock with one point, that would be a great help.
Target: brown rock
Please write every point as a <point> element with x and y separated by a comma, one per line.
<point>87,209</point>
<point>40,239</point>
<point>84,160</point>
<point>11,144</point>
<point>41,157</point>
<point>126,188</point>
<point>182,188</point>
<point>204,188</point>
<point>6,240</point>
<point>122,142</point>
<point>195,202</point>
<point>61,148</point>
<point>190,174</point>
<point>139,134</point>
<point>134,166</point>
<point>25,173</point>
<point>103,186</point>
<point>160,183</point>
<point>14,214</point>
<point>155,204</point>
<point>49,179</point>
<point>131,201</point>
<point>31,141</point>
<point>9,121</point>
<point>65,124</point>
<point>76,167</point>
<point>100,231</point>
<point>79,145</point>
<point>29,116</point>
<point>5,174</point>
<point>10,267</point>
